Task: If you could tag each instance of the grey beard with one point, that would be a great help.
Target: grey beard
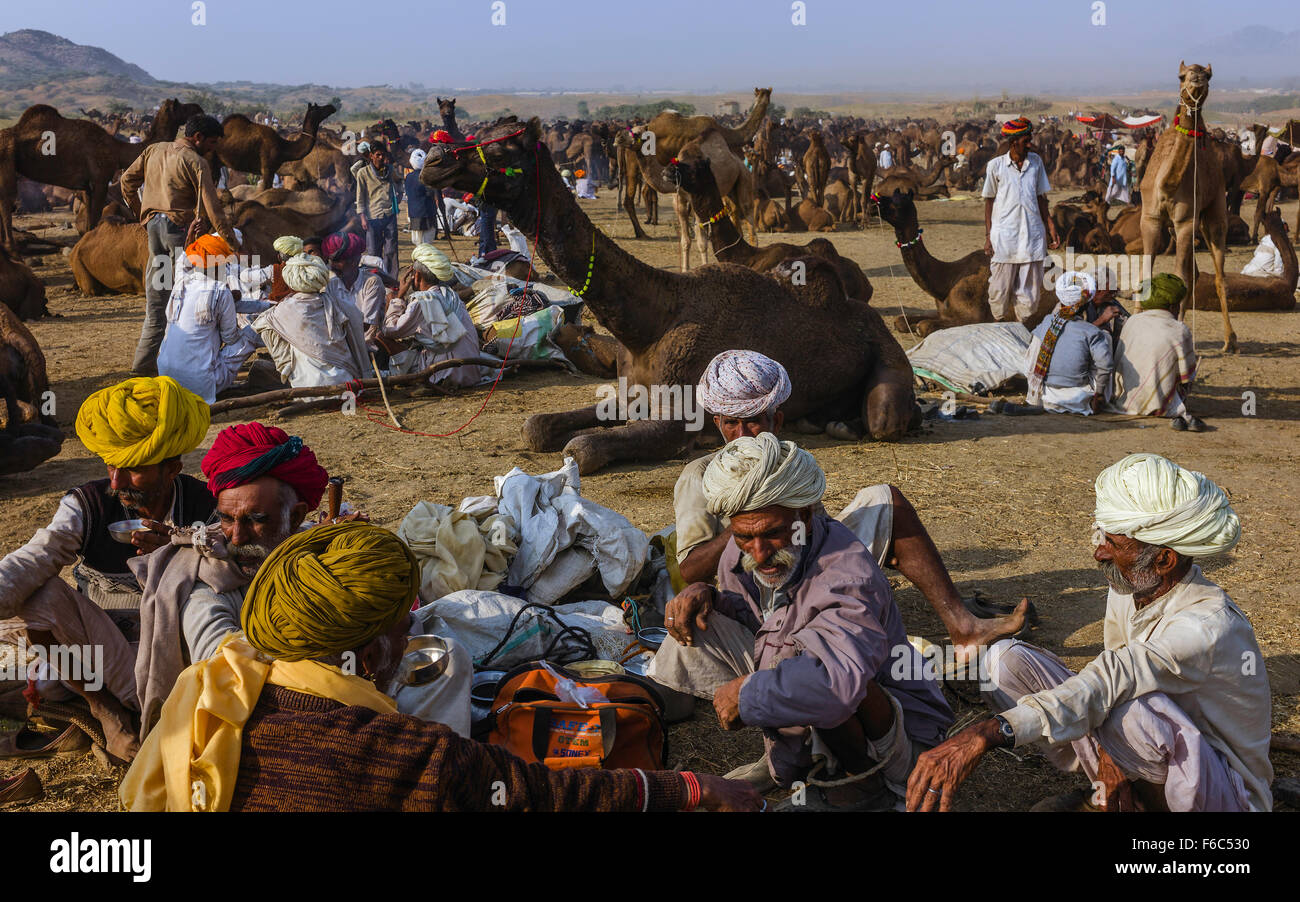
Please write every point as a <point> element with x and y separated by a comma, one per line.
<point>1143,579</point>
<point>127,497</point>
<point>786,559</point>
<point>248,557</point>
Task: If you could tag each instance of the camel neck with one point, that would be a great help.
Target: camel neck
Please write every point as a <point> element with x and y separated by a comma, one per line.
<point>729,246</point>
<point>630,298</point>
<point>918,262</point>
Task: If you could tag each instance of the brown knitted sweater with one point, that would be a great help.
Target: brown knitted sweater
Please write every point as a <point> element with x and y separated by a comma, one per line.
<point>304,753</point>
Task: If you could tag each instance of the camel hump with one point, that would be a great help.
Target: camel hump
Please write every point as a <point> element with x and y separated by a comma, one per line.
<point>38,112</point>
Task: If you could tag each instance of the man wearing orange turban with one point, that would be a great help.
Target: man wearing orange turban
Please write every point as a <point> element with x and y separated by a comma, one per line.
<point>139,428</point>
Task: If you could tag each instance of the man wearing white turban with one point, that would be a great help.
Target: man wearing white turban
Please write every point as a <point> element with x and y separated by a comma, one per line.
<point>801,637</point>
<point>313,338</point>
<point>1174,714</point>
<point>1069,362</point>
<point>744,391</point>
<point>427,322</point>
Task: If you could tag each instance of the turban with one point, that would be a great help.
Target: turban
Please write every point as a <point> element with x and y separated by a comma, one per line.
<point>433,260</point>
<point>305,273</point>
<point>1070,287</point>
<point>752,473</point>
<point>329,589</point>
<point>1162,291</point>
<point>207,247</point>
<point>441,136</point>
<point>250,451</point>
<point>288,245</point>
<point>580,173</point>
<point>1016,127</point>
<point>1153,500</point>
<point>417,158</point>
<point>343,246</point>
<point>143,421</point>
<point>566,173</point>
<point>363,147</point>
<point>742,384</point>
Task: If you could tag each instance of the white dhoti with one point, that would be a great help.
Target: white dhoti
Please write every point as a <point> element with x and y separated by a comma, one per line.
<point>1149,738</point>
<point>1018,283</point>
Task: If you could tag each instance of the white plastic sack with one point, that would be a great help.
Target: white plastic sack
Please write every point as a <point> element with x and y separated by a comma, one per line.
<point>988,353</point>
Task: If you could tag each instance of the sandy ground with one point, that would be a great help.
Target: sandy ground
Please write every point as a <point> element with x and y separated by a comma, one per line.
<point>1008,501</point>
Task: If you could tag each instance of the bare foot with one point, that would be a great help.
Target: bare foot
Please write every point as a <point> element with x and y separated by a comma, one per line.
<point>984,631</point>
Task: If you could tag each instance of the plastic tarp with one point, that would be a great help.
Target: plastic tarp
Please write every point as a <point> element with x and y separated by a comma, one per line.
<point>563,538</point>
<point>989,354</point>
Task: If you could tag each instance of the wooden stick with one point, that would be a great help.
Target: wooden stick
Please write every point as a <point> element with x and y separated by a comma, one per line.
<point>1285,744</point>
<point>286,394</point>
<point>384,394</point>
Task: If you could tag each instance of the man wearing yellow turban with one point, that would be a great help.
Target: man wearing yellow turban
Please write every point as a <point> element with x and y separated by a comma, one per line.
<point>139,428</point>
<point>290,716</point>
<point>427,322</point>
<point>1175,713</point>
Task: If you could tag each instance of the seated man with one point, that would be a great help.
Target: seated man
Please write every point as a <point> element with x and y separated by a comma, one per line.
<point>264,285</point>
<point>1103,310</point>
<point>313,338</point>
<point>1155,358</point>
<point>351,282</point>
<point>744,391</point>
<point>1069,362</point>
<point>1173,714</point>
<point>139,428</point>
<point>801,636</point>
<point>431,323</point>
<point>203,348</point>
<point>279,719</point>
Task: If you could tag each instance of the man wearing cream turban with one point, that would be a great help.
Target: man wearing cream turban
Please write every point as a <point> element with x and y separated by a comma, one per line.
<point>744,391</point>
<point>801,637</point>
<point>313,337</point>
<point>427,322</point>
<point>139,428</point>
<point>1174,714</point>
<point>291,714</point>
<point>204,347</point>
<point>1155,357</point>
<point>1069,362</point>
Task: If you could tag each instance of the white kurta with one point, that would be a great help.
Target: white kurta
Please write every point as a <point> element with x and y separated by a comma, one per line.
<point>1155,363</point>
<point>203,347</point>
<point>1018,235</point>
<point>315,340</point>
<point>440,328</point>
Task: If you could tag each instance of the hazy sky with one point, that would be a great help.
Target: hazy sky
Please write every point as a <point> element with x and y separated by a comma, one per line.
<point>1020,45</point>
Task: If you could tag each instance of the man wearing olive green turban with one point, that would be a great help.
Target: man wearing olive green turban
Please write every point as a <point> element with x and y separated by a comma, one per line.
<point>140,428</point>
<point>291,715</point>
<point>1155,357</point>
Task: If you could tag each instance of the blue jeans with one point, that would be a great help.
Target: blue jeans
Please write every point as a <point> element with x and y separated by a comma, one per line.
<point>164,237</point>
<point>381,241</point>
<point>487,229</point>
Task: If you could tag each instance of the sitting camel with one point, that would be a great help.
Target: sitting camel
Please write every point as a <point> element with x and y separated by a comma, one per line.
<point>20,290</point>
<point>29,437</point>
<point>960,288</point>
<point>111,258</point>
<point>671,324</point>
<point>694,173</point>
<point>1257,292</point>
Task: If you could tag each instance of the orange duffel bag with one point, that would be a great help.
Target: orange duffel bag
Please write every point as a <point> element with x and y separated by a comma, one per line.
<point>532,721</point>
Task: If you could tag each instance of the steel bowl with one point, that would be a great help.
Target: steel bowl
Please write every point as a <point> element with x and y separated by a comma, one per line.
<point>122,529</point>
<point>483,687</point>
<point>425,660</point>
<point>652,636</point>
<point>637,666</point>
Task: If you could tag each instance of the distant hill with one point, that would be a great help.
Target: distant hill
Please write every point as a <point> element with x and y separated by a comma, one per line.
<point>30,57</point>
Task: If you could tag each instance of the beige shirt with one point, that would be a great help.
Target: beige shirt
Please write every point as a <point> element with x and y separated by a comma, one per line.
<point>174,180</point>
<point>1194,645</point>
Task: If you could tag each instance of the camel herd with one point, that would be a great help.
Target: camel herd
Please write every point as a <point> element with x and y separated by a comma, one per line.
<point>729,178</point>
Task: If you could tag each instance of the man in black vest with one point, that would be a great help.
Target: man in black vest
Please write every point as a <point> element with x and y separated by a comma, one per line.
<point>140,428</point>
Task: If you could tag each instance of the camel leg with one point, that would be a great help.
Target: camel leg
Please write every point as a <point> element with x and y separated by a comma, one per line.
<point>638,440</point>
<point>550,431</point>
<point>629,204</point>
<point>1216,237</point>
<point>889,402</point>
<point>683,210</point>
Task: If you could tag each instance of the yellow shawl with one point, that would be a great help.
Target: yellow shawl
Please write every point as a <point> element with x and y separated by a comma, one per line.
<point>190,760</point>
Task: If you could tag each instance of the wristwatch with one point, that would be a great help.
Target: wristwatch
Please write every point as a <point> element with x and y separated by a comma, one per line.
<point>1005,730</point>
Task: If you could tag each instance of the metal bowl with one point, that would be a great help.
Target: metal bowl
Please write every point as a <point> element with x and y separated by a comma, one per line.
<point>122,529</point>
<point>425,660</point>
<point>652,636</point>
<point>483,687</point>
<point>637,666</point>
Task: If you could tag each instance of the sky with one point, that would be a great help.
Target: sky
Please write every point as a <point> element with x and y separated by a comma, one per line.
<point>1022,46</point>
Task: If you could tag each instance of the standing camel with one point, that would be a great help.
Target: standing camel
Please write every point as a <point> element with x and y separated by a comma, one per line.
<point>1183,184</point>
<point>672,324</point>
<point>246,146</point>
<point>816,167</point>
<point>862,172</point>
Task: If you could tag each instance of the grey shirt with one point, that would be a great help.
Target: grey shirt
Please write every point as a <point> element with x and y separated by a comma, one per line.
<point>1082,355</point>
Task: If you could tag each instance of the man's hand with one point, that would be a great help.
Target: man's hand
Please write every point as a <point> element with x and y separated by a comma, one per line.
<point>365,223</point>
<point>406,283</point>
<point>1108,313</point>
<point>988,245</point>
<point>721,794</point>
<point>726,701</point>
<point>198,226</point>
<point>323,518</point>
<point>689,611</point>
<point>154,536</point>
<point>1053,241</point>
<point>940,770</point>
<point>1116,792</point>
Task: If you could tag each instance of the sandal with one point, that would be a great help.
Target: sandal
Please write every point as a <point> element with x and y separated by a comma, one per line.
<point>22,787</point>
<point>987,609</point>
<point>26,743</point>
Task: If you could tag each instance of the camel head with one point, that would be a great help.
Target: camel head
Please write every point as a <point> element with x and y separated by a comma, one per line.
<point>899,210</point>
<point>447,108</point>
<point>510,148</point>
<point>317,114</point>
<point>690,169</point>
<point>1194,85</point>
